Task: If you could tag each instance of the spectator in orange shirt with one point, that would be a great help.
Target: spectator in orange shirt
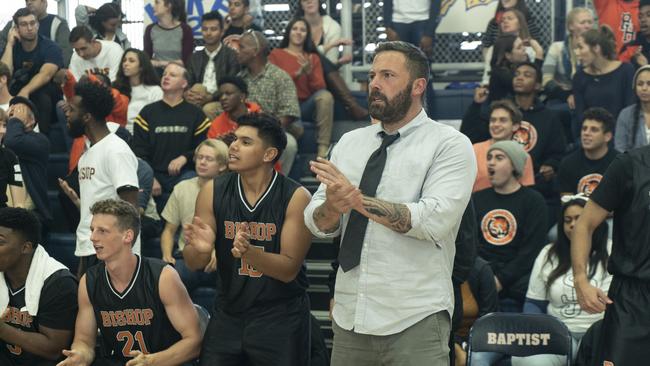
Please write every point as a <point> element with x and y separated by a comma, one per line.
<point>232,96</point>
<point>623,17</point>
<point>298,56</point>
<point>505,119</point>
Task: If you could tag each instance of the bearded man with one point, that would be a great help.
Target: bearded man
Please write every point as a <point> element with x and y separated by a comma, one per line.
<point>398,217</point>
<point>108,169</point>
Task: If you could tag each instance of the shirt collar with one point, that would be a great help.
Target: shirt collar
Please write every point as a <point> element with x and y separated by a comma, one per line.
<point>211,55</point>
<point>418,120</point>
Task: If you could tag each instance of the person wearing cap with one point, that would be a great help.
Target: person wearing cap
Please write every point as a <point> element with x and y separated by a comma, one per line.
<point>505,120</point>
<point>582,170</point>
<point>632,127</point>
<point>33,151</point>
<point>512,223</point>
<point>33,60</point>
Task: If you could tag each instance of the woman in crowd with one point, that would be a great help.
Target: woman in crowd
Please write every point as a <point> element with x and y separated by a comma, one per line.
<point>513,23</point>
<point>561,62</point>
<point>298,56</point>
<point>211,160</point>
<point>104,22</point>
<point>551,290</point>
<point>137,79</point>
<point>170,38</point>
<point>633,124</point>
<point>603,81</point>
<point>494,26</point>
<point>509,50</point>
<point>326,36</point>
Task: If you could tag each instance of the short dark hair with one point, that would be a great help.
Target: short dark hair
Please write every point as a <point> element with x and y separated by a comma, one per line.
<point>236,81</point>
<point>5,71</point>
<point>601,115</point>
<point>22,12</point>
<point>268,129</point>
<point>22,221</point>
<point>96,99</point>
<point>126,214</point>
<point>213,15</point>
<point>79,32</point>
<point>538,73</point>
<point>178,9</point>
<point>416,61</point>
<point>247,3</point>
<point>510,107</point>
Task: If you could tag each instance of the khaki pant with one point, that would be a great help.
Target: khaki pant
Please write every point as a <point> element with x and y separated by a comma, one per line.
<point>425,343</point>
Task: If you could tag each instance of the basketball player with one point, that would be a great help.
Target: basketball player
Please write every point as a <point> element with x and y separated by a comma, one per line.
<point>140,304</point>
<point>253,217</point>
<point>32,335</point>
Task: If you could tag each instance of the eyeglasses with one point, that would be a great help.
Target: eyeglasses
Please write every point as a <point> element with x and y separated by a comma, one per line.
<point>208,158</point>
<point>253,34</point>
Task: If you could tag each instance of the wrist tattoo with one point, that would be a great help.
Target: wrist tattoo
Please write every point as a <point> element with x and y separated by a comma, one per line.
<point>397,215</point>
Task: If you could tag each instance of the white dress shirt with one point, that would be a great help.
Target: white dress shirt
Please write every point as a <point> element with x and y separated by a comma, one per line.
<point>403,278</point>
<point>209,76</point>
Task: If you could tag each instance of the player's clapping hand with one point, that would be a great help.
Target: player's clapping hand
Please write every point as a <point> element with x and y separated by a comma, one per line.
<point>241,244</point>
<point>199,235</point>
<point>341,195</point>
<point>140,359</point>
<point>73,358</point>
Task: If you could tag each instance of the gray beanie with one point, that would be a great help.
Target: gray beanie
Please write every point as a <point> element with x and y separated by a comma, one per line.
<point>515,152</point>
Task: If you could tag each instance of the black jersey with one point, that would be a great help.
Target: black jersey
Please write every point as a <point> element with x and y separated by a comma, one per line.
<point>243,287</point>
<point>134,320</point>
<point>57,309</point>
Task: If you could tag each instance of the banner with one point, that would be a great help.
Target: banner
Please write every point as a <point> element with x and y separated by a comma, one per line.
<point>457,16</point>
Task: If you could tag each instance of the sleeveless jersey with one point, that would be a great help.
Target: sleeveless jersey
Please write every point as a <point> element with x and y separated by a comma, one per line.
<point>57,310</point>
<point>134,320</point>
<point>242,286</point>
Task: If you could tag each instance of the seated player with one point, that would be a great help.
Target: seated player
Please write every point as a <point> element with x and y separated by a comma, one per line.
<point>37,295</point>
<point>140,305</point>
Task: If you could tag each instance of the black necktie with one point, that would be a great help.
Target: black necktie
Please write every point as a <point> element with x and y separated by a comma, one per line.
<point>350,251</point>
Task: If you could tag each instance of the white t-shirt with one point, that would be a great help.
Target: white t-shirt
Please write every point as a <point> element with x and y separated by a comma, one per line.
<point>141,95</point>
<point>409,11</point>
<point>107,62</point>
<point>103,168</point>
<point>563,302</point>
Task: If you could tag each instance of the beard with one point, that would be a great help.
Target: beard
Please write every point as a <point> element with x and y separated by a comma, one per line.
<point>392,111</point>
<point>76,129</point>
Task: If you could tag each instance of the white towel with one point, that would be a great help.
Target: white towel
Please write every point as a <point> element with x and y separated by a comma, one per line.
<point>41,268</point>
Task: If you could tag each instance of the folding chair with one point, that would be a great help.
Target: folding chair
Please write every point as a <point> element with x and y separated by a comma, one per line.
<point>519,335</point>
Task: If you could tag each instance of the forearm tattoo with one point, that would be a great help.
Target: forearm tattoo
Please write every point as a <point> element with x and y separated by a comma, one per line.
<point>396,216</point>
<point>321,221</point>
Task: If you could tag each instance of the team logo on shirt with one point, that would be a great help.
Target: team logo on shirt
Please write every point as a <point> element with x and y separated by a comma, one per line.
<point>627,28</point>
<point>499,227</point>
<point>588,183</point>
<point>526,135</point>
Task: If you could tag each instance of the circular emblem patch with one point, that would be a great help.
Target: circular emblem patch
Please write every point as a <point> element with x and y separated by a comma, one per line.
<point>526,135</point>
<point>588,183</point>
<point>499,227</point>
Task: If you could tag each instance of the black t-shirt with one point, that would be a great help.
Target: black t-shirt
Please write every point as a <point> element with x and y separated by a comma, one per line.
<point>243,287</point>
<point>511,232</point>
<point>625,190</point>
<point>579,174</point>
<point>57,309</point>
<point>162,133</point>
<point>28,64</point>
<point>134,319</point>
